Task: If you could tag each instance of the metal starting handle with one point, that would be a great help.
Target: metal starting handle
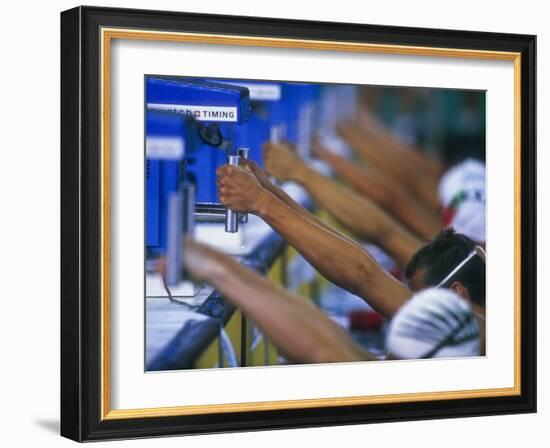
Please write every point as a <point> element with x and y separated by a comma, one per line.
<point>243,154</point>
<point>231,217</point>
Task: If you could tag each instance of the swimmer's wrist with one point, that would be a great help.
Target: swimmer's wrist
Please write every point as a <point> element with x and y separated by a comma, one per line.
<point>264,204</point>
<point>299,173</point>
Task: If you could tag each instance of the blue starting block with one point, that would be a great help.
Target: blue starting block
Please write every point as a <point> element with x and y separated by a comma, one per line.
<point>176,111</point>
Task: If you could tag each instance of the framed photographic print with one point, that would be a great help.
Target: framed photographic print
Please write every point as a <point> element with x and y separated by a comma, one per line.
<point>273,223</point>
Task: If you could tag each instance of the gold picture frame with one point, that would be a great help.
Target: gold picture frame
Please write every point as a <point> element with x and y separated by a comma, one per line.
<point>103,26</point>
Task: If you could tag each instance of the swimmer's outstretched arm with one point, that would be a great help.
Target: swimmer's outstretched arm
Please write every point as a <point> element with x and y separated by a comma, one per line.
<point>361,216</point>
<point>416,158</point>
<point>387,193</point>
<point>340,260</point>
<point>300,330</point>
<point>264,181</point>
<point>373,150</point>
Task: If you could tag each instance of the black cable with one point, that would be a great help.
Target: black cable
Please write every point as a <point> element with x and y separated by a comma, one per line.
<point>167,289</point>
<point>179,302</point>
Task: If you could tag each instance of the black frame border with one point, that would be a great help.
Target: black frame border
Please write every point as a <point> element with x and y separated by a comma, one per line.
<point>81,223</point>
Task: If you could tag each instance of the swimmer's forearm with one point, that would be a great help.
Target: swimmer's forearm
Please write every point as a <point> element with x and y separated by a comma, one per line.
<point>300,330</point>
<point>341,261</point>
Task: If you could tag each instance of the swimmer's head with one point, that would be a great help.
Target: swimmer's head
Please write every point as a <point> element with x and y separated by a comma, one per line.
<point>439,258</point>
<point>434,323</point>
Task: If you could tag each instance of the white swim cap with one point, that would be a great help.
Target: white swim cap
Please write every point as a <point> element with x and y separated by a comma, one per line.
<point>434,323</point>
<point>462,194</point>
<point>468,175</point>
<point>469,220</point>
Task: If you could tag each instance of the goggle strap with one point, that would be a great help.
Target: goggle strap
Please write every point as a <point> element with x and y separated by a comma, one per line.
<point>472,254</point>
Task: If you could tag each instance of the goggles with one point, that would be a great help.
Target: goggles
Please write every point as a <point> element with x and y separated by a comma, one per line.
<point>478,250</point>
